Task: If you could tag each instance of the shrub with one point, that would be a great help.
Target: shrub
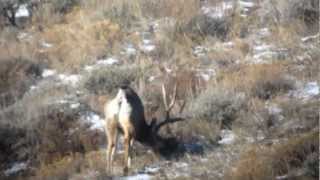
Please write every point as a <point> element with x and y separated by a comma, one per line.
<point>64,6</point>
<point>203,25</point>
<point>306,10</point>
<point>262,162</point>
<point>264,81</point>
<point>107,81</point>
<point>217,104</point>
<point>312,165</point>
<point>45,134</point>
<point>266,88</point>
<point>16,77</point>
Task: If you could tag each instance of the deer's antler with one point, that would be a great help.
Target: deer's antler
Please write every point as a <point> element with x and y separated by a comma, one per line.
<point>168,108</point>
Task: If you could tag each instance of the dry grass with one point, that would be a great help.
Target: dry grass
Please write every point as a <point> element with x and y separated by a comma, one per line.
<point>261,162</point>
<point>92,165</point>
<point>16,77</point>
<point>263,80</point>
<point>80,37</point>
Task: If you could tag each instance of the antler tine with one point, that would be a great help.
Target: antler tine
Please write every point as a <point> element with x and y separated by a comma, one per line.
<point>174,97</point>
<point>168,119</point>
<point>164,95</point>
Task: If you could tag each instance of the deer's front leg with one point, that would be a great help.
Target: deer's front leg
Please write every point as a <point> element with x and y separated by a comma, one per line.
<point>112,135</point>
<point>127,152</point>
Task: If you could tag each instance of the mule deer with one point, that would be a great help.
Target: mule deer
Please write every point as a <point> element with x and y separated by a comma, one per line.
<point>126,113</point>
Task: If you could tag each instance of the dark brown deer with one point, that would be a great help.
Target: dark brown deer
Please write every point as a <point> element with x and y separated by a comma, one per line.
<point>126,113</point>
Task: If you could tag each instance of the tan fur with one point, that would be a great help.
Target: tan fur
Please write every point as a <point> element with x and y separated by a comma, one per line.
<point>124,112</point>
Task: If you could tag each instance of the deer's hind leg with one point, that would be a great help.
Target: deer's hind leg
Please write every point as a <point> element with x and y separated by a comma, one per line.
<point>112,135</point>
<point>128,141</point>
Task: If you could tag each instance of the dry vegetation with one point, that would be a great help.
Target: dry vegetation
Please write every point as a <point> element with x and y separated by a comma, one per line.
<point>268,162</point>
<point>223,86</point>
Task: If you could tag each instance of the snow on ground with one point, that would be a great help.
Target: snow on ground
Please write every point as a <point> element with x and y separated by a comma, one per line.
<point>246,4</point>
<point>70,79</point>
<point>107,62</point>
<point>200,51</point>
<point>129,50</point>
<point>306,92</point>
<point>46,44</point>
<point>75,105</point>
<point>147,47</point>
<point>218,11</point>
<point>136,177</point>
<point>19,166</point>
<point>245,7</point>
<point>94,120</point>
<point>151,78</point>
<point>264,32</point>
<point>206,74</point>
<point>48,72</point>
<point>151,169</point>
<point>24,36</point>
<point>228,137</point>
<point>102,63</point>
<point>22,11</point>
<point>265,53</point>
<point>274,109</point>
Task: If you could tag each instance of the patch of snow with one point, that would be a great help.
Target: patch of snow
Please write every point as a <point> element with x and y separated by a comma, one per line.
<point>74,105</point>
<point>228,137</point>
<point>46,45</point>
<point>282,177</point>
<point>147,47</point>
<point>102,63</point>
<point>246,4</point>
<point>263,47</point>
<point>48,72</point>
<point>205,76</point>
<point>151,170</point>
<point>62,101</point>
<point>168,70</point>
<point>146,41</point>
<point>130,50</point>
<point>22,11</point>
<point>264,32</point>
<point>274,109</point>
<point>200,51</point>
<point>108,61</point>
<point>229,44</point>
<point>151,78</point>
<point>309,90</point>
<point>218,11</point>
<point>24,35</point>
<point>71,79</point>
<point>95,120</point>
<point>19,166</point>
<point>33,87</point>
<point>312,88</point>
<point>267,54</point>
<point>136,177</point>
<point>89,68</point>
